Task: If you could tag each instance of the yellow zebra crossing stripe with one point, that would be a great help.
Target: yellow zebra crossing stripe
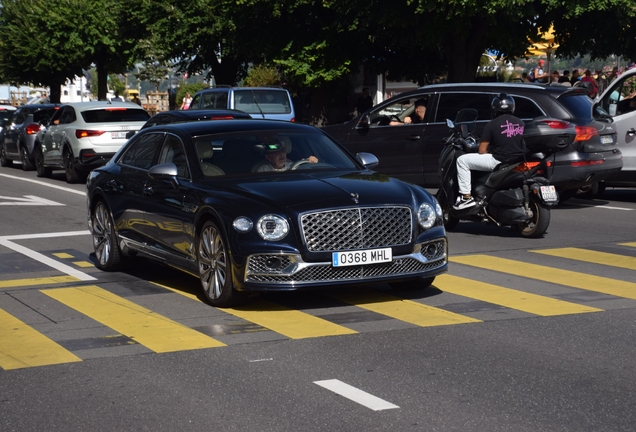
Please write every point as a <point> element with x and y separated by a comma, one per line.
<point>630,244</point>
<point>22,346</point>
<point>15,283</point>
<point>510,298</point>
<point>404,310</point>
<point>288,322</point>
<point>553,275</point>
<point>608,259</point>
<point>154,331</point>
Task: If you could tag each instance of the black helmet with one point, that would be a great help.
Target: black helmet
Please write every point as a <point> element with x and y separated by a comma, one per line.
<point>502,104</point>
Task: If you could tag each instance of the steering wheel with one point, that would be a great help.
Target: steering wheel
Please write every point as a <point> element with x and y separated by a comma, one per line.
<point>395,118</point>
<point>296,164</point>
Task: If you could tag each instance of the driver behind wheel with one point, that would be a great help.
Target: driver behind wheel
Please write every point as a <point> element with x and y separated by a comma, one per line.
<point>275,154</point>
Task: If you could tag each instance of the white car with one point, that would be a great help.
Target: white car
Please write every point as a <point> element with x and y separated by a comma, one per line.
<point>619,100</point>
<point>82,136</point>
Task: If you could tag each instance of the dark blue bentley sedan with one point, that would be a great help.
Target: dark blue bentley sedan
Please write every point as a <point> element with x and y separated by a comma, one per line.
<point>258,205</point>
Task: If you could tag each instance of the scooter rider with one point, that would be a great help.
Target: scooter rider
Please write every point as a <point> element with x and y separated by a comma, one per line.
<point>501,141</point>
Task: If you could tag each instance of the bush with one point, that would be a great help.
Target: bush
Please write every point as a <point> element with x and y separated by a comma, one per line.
<point>262,76</point>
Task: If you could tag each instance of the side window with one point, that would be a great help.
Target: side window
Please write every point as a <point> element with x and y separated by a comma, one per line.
<point>207,100</point>
<point>55,119</point>
<point>174,151</point>
<point>68,115</point>
<point>141,152</point>
<point>450,103</point>
<point>407,111</point>
<point>18,117</point>
<point>620,99</point>
<point>526,108</point>
<point>195,102</point>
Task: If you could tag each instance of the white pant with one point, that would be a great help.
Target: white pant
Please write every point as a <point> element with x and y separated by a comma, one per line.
<point>472,161</point>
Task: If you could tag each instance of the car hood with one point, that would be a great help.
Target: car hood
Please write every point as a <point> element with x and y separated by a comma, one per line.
<point>307,191</point>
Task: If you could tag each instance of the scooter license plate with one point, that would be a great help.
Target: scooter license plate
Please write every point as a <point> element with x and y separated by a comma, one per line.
<point>548,193</point>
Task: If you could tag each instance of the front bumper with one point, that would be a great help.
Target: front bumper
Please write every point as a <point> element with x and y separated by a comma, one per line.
<point>427,259</point>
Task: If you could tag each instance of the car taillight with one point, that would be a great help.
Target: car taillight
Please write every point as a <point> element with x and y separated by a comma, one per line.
<point>293,120</point>
<point>584,133</point>
<point>588,163</point>
<point>32,129</point>
<point>79,133</point>
<point>115,109</point>
<point>526,166</point>
<point>556,124</point>
<point>221,118</point>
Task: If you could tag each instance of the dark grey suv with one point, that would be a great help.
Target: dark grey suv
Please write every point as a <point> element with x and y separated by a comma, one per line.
<point>411,151</point>
<point>18,135</point>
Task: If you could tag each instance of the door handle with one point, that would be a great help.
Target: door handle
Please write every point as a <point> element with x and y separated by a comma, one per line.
<point>413,137</point>
<point>631,132</point>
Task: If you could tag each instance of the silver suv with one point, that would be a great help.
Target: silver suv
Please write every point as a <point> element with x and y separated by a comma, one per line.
<point>85,135</point>
<point>260,102</point>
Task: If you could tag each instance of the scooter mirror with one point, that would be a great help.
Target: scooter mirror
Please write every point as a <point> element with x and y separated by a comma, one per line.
<point>450,124</point>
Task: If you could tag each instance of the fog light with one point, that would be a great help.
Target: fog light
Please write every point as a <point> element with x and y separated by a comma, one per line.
<point>274,263</point>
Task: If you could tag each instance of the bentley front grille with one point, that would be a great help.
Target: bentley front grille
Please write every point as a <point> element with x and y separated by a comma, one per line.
<point>357,228</point>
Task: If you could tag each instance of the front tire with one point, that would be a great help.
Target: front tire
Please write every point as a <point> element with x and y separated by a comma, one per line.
<point>107,251</point>
<point>215,268</point>
<point>4,162</point>
<point>27,165</point>
<point>538,225</point>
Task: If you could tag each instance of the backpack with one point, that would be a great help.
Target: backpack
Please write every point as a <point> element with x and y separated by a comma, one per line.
<point>531,77</point>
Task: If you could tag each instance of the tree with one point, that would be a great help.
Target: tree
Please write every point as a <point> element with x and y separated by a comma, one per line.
<point>47,41</point>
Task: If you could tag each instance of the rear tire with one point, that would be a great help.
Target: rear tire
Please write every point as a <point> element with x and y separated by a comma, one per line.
<point>27,165</point>
<point>109,257</point>
<point>4,162</point>
<point>69,168</point>
<point>538,225</point>
<point>39,163</point>
<point>215,267</point>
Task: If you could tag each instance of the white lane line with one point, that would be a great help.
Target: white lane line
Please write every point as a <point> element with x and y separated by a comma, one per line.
<point>28,200</point>
<point>604,207</point>
<point>45,184</point>
<point>6,242</point>
<point>356,395</point>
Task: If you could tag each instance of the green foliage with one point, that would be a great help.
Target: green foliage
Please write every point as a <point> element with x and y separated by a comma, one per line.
<point>262,76</point>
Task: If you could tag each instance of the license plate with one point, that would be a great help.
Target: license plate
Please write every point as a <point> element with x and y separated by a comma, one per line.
<point>363,257</point>
<point>118,135</point>
<point>548,193</point>
<point>607,140</point>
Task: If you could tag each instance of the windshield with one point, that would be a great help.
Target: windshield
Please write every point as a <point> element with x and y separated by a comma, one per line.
<point>269,151</point>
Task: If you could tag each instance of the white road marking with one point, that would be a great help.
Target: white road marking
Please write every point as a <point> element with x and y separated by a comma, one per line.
<point>356,395</point>
<point>604,207</point>
<point>28,200</point>
<point>45,184</point>
<point>6,242</point>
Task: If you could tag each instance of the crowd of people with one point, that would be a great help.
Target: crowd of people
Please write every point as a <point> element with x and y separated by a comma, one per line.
<point>596,81</point>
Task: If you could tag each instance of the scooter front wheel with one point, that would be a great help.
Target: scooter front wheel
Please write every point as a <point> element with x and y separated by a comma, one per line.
<point>538,225</point>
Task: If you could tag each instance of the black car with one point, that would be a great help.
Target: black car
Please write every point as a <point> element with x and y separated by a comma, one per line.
<point>206,198</point>
<point>411,152</point>
<point>17,139</point>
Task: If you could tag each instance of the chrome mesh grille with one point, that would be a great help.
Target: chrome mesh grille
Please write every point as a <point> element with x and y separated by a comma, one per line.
<point>258,264</point>
<point>357,228</point>
<point>434,253</point>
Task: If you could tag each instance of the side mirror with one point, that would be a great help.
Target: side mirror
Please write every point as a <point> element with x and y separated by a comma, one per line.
<point>367,160</point>
<point>364,122</point>
<point>166,171</point>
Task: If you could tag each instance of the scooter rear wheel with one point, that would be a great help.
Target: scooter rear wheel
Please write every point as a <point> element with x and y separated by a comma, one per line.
<point>538,225</point>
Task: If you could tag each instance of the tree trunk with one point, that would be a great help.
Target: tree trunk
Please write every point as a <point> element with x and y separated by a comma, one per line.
<point>55,89</point>
<point>102,81</point>
<point>463,51</point>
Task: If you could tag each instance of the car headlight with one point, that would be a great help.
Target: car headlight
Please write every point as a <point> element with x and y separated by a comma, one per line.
<point>272,227</point>
<point>438,210</point>
<point>426,216</point>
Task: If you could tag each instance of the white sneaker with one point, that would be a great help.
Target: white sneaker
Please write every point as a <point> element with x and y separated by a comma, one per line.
<point>464,203</point>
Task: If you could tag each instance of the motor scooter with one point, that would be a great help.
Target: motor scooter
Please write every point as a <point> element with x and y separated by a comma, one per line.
<point>516,194</point>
